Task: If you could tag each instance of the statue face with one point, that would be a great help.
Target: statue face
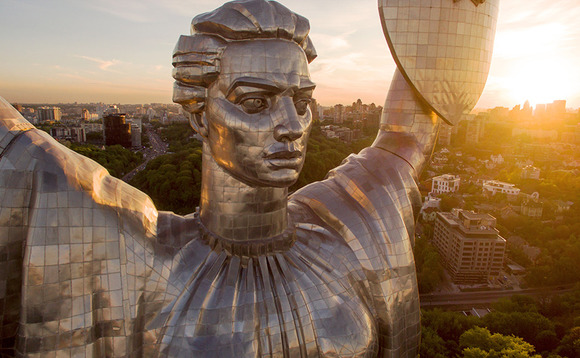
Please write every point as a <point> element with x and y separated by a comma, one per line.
<point>257,112</point>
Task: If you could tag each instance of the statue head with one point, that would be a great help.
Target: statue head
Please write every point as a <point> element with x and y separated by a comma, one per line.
<point>242,77</point>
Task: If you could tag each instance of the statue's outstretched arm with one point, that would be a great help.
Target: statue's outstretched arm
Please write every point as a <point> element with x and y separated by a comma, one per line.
<point>408,127</point>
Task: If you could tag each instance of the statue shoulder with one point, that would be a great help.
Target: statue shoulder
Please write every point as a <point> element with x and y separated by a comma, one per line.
<point>12,124</point>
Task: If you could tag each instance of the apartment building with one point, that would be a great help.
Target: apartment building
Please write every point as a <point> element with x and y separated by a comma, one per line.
<point>470,246</point>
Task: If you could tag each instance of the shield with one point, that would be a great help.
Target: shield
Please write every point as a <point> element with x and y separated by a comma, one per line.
<point>443,48</point>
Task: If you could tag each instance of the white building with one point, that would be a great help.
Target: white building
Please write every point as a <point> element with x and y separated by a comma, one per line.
<point>446,183</point>
<point>495,186</point>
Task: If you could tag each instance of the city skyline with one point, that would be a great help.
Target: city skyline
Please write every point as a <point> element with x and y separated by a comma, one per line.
<point>104,51</point>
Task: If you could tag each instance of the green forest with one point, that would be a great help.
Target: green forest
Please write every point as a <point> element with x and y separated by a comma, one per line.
<point>516,327</point>
<point>118,160</point>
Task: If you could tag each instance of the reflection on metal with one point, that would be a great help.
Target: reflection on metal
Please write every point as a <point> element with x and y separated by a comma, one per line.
<point>443,49</point>
<point>91,268</point>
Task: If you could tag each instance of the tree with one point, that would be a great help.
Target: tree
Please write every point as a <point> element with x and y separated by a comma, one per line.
<point>173,181</point>
<point>570,345</point>
<point>116,159</point>
<point>480,343</point>
<point>432,346</point>
<point>527,325</point>
<point>449,326</point>
<point>430,272</point>
<point>449,202</point>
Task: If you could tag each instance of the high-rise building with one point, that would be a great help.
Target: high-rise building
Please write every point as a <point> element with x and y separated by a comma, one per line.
<point>444,135</point>
<point>473,130</point>
<point>135,135</point>
<point>470,246</point>
<point>85,114</point>
<point>527,111</point>
<point>339,114</point>
<point>117,131</point>
<point>52,114</point>
<point>557,108</point>
<point>540,110</point>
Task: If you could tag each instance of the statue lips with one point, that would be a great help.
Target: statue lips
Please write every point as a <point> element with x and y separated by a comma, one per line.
<point>284,157</point>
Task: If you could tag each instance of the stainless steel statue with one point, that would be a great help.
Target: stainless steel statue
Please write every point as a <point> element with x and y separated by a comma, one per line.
<point>91,268</point>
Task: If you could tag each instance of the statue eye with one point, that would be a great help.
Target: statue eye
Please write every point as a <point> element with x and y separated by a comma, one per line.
<point>302,105</point>
<point>254,104</point>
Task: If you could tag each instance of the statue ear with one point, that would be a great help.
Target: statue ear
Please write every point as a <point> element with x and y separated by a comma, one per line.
<point>199,123</point>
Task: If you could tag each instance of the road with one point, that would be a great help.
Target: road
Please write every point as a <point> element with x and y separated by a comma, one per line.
<point>471,299</point>
<point>158,147</point>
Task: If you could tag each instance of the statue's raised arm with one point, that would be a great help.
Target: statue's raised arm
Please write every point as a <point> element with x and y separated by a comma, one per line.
<point>443,53</point>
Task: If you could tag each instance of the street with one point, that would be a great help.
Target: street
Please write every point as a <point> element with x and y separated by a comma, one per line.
<point>158,147</point>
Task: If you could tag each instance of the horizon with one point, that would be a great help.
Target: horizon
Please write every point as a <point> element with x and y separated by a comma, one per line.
<point>104,51</point>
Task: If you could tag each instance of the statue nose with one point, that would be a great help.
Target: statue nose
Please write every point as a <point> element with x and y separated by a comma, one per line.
<point>289,128</point>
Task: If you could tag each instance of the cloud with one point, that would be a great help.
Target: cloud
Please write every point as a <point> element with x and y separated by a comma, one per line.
<point>102,64</point>
<point>329,42</point>
<point>147,11</point>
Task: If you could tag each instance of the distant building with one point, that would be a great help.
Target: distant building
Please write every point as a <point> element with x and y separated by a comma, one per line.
<point>117,131</point>
<point>72,133</point>
<point>339,114</point>
<point>92,127</point>
<point>497,159</point>
<point>470,246</point>
<point>112,109</point>
<point>431,201</point>
<point>135,135</point>
<point>540,110</point>
<point>17,107</point>
<point>556,108</point>
<point>530,172</point>
<point>532,208</point>
<point>28,113</point>
<point>536,133</point>
<point>473,130</point>
<point>52,114</point>
<point>446,183</point>
<point>493,187</point>
<point>344,134</point>
<point>85,115</point>
<point>445,132</point>
<point>562,206</point>
<point>527,111</point>
<point>429,214</point>
<point>151,113</point>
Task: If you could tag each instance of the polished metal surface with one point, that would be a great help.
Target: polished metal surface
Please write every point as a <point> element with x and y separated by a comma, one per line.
<point>443,48</point>
<point>91,268</point>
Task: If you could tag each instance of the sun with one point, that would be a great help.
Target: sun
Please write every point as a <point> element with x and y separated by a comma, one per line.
<point>540,81</point>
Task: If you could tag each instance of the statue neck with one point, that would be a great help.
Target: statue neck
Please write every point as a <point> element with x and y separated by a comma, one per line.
<point>237,212</point>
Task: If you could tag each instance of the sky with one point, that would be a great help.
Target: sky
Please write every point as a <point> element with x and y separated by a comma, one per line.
<point>119,51</point>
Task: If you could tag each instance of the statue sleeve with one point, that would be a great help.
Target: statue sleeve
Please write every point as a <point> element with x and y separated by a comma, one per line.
<point>370,201</point>
<point>77,249</point>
